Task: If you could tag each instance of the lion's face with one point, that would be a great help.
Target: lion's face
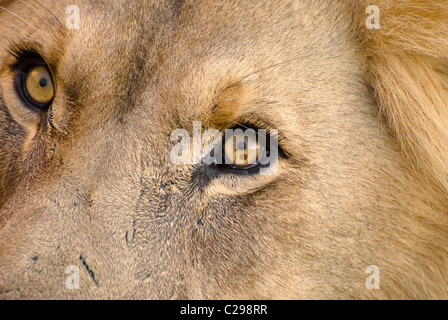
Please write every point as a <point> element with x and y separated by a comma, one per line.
<point>87,178</point>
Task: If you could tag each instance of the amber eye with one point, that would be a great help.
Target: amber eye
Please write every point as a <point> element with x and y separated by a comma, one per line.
<point>243,150</point>
<point>36,87</point>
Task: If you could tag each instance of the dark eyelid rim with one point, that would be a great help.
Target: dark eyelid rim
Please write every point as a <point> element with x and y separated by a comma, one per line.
<point>246,123</point>
<point>27,52</point>
<point>37,107</point>
<point>26,55</point>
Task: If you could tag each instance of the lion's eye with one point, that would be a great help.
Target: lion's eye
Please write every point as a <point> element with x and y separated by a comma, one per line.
<point>244,150</point>
<point>35,86</point>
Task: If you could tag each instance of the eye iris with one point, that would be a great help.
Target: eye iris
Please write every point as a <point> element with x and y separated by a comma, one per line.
<point>39,86</point>
<point>242,151</point>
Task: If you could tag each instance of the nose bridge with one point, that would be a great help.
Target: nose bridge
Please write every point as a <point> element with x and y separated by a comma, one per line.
<point>160,178</point>
<point>163,179</point>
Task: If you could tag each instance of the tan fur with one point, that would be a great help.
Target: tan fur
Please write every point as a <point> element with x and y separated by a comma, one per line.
<point>407,64</point>
<point>362,117</point>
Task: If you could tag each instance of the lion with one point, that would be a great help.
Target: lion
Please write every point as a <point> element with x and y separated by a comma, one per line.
<point>92,205</point>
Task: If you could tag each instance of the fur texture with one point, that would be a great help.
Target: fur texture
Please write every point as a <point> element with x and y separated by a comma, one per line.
<point>407,64</point>
<point>363,177</point>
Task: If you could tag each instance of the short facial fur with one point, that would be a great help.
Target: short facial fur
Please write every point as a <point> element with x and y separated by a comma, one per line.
<point>90,183</point>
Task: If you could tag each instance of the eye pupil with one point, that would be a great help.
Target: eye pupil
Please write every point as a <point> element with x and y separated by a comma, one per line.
<point>242,146</point>
<point>43,82</point>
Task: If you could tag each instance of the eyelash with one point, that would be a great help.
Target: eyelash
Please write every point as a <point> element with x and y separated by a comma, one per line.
<point>23,53</point>
<point>257,124</point>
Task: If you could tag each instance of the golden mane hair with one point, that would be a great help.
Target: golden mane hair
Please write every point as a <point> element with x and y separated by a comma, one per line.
<point>407,64</point>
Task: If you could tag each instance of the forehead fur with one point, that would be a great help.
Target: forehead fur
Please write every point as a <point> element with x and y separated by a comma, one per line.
<point>407,61</point>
